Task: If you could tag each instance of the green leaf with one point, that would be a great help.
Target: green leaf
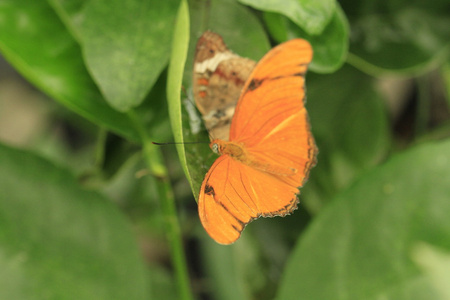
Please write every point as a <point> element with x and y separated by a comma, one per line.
<point>59,241</point>
<point>312,16</point>
<point>351,128</point>
<point>330,47</point>
<point>360,246</point>
<point>70,12</point>
<point>36,43</point>
<point>409,40</point>
<point>277,25</point>
<point>126,46</point>
<point>178,56</point>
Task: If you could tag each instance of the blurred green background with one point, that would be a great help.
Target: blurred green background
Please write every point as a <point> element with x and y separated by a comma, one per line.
<point>90,209</point>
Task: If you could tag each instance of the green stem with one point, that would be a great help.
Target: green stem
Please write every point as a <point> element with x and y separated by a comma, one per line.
<point>100,148</point>
<point>153,158</point>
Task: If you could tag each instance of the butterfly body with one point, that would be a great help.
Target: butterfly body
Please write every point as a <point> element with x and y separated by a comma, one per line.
<point>270,149</point>
<point>233,149</point>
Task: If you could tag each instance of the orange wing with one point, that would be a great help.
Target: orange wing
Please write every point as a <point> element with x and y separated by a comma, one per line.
<point>271,124</point>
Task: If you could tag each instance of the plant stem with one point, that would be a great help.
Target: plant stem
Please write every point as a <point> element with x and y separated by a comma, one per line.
<point>100,148</point>
<point>153,158</point>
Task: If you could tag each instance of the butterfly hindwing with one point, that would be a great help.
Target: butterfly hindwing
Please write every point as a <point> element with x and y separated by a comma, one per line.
<point>234,194</point>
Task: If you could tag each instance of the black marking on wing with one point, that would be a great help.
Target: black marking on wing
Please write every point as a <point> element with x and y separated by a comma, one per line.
<point>254,84</point>
<point>241,223</point>
<point>209,190</point>
<point>301,74</point>
<point>247,192</point>
<point>312,158</point>
<point>235,228</point>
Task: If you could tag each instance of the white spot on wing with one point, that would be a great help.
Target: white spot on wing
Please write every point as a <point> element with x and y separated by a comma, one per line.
<point>212,63</point>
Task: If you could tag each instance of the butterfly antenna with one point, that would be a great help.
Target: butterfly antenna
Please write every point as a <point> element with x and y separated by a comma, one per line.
<point>177,143</point>
<point>183,89</point>
<point>211,137</point>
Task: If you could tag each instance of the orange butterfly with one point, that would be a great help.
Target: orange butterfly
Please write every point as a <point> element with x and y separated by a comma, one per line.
<point>270,151</point>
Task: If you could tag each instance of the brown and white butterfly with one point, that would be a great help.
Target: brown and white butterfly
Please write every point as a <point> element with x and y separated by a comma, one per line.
<point>219,76</point>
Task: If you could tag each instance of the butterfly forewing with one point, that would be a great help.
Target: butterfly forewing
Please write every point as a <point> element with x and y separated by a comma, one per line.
<point>274,90</point>
<point>270,118</point>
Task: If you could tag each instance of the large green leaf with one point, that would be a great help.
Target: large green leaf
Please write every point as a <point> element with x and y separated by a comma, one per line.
<point>363,244</point>
<point>37,44</point>
<point>180,45</point>
<point>126,45</point>
<point>70,12</point>
<point>311,15</point>
<point>58,241</point>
